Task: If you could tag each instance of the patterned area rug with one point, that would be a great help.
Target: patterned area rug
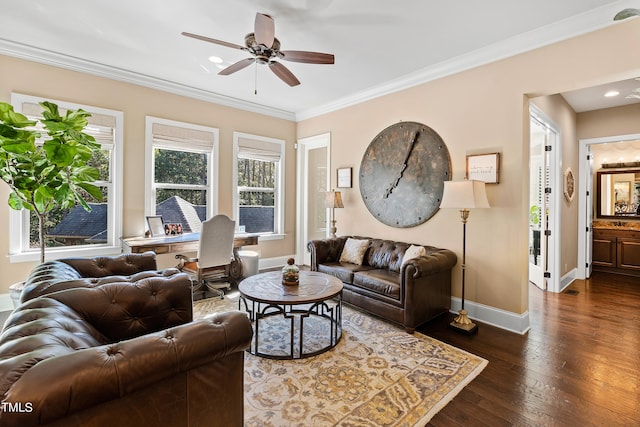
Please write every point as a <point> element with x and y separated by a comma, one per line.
<point>377,375</point>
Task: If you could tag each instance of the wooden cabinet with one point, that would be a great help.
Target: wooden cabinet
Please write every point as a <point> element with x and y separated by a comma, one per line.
<point>616,251</point>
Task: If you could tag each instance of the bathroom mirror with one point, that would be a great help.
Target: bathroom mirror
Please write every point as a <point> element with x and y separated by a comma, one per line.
<point>618,193</point>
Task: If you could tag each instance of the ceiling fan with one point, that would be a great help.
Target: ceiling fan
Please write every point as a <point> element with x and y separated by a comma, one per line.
<point>265,49</point>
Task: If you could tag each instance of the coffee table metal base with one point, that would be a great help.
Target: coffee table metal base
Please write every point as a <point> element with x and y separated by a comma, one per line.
<point>312,328</point>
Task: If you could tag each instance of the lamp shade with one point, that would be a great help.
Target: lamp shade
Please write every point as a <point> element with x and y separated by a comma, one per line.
<point>333,199</point>
<point>464,195</point>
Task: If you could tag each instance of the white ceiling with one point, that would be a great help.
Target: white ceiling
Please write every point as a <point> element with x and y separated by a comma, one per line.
<point>379,48</point>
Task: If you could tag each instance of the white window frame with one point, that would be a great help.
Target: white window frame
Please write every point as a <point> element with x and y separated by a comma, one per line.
<point>279,199</point>
<point>19,250</point>
<point>212,179</point>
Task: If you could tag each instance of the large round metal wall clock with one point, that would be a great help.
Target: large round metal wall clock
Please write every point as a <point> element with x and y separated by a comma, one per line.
<point>402,174</point>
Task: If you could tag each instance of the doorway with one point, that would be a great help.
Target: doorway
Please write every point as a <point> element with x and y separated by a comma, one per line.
<point>587,197</point>
<point>313,181</point>
<point>543,200</point>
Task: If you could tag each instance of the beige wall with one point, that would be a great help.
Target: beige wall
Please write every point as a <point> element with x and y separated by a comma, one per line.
<point>481,110</point>
<point>136,102</point>
<point>609,122</point>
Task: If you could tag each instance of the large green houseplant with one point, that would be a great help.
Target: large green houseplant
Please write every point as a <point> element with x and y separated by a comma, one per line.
<point>52,174</point>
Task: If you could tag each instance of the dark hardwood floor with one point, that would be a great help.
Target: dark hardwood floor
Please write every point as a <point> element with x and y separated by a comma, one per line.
<point>579,365</point>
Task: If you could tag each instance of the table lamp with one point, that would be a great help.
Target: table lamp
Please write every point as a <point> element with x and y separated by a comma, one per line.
<point>464,195</point>
<point>333,200</point>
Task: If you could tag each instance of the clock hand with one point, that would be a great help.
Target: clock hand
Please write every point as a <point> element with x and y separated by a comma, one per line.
<point>404,166</point>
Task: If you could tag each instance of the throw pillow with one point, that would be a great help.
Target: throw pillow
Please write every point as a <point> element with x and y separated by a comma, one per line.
<point>353,251</point>
<point>412,252</point>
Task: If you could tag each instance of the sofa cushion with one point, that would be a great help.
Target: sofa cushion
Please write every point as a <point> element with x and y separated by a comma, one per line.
<point>413,252</point>
<point>386,254</point>
<point>353,251</point>
<point>383,282</point>
<point>342,270</point>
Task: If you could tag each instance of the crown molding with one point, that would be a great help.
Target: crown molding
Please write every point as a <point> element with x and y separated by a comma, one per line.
<point>47,57</point>
<point>592,20</point>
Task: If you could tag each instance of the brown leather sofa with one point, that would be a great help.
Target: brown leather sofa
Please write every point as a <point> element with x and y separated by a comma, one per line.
<point>409,295</point>
<point>105,342</point>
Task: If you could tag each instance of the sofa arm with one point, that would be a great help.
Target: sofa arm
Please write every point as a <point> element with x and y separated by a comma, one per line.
<point>59,386</point>
<point>325,250</point>
<point>436,261</point>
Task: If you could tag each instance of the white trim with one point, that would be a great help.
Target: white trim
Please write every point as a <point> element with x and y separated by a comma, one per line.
<point>592,20</point>
<point>279,203</point>
<point>555,169</point>
<point>17,253</point>
<point>212,170</point>
<point>302,178</point>
<point>513,322</point>
<point>275,262</point>
<point>522,43</point>
<point>583,169</point>
<point>30,53</point>
<point>568,278</point>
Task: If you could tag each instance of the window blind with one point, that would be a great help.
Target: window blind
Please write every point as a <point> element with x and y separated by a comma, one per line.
<point>170,137</point>
<point>259,150</point>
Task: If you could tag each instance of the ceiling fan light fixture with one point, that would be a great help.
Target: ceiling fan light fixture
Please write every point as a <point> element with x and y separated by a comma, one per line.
<point>264,48</point>
<point>612,93</point>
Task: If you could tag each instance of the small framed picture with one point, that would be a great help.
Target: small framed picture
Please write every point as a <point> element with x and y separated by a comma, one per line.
<point>344,177</point>
<point>156,225</point>
<point>484,167</point>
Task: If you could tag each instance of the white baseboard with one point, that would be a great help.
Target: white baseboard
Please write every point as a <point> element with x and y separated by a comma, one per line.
<point>267,263</point>
<point>513,322</point>
<point>568,279</point>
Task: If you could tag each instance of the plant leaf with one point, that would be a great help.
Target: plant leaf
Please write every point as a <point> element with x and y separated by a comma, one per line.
<point>93,190</point>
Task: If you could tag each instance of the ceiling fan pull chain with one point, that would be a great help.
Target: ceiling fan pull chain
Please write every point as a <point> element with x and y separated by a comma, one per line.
<point>255,84</point>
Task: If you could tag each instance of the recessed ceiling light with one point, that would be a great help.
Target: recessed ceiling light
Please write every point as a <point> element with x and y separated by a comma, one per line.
<point>215,59</point>
<point>612,93</point>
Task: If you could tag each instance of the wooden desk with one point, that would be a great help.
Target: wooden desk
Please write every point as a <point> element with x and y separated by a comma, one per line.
<point>183,243</point>
<point>187,243</point>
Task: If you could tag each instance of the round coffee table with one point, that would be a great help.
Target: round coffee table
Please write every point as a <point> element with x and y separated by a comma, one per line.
<point>293,322</point>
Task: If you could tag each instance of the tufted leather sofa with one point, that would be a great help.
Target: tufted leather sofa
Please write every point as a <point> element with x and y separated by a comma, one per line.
<point>409,295</point>
<point>102,341</point>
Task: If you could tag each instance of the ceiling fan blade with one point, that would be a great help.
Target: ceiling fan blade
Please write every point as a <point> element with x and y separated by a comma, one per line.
<point>307,57</point>
<point>210,40</point>
<point>264,29</point>
<point>237,66</point>
<point>283,73</point>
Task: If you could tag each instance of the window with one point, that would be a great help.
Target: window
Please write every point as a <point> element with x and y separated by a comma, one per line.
<point>75,232</point>
<point>258,182</point>
<point>181,159</point>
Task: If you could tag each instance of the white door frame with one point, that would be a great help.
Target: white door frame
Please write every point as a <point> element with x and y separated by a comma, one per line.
<point>585,203</point>
<point>555,166</point>
<point>302,178</point>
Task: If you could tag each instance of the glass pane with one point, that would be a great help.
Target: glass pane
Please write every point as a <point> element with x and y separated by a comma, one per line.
<point>185,207</point>
<point>257,198</point>
<point>257,219</point>
<point>100,161</point>
<point>256,173</point>
<point>72,227</point>
<point>180,167</point>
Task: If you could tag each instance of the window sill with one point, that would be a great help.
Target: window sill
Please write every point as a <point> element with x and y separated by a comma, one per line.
<point>53,254</point>
<point>262,237</point>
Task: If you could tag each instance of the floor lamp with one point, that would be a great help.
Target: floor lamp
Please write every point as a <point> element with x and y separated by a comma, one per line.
<point>464,195</point>
<point>333,200</point>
